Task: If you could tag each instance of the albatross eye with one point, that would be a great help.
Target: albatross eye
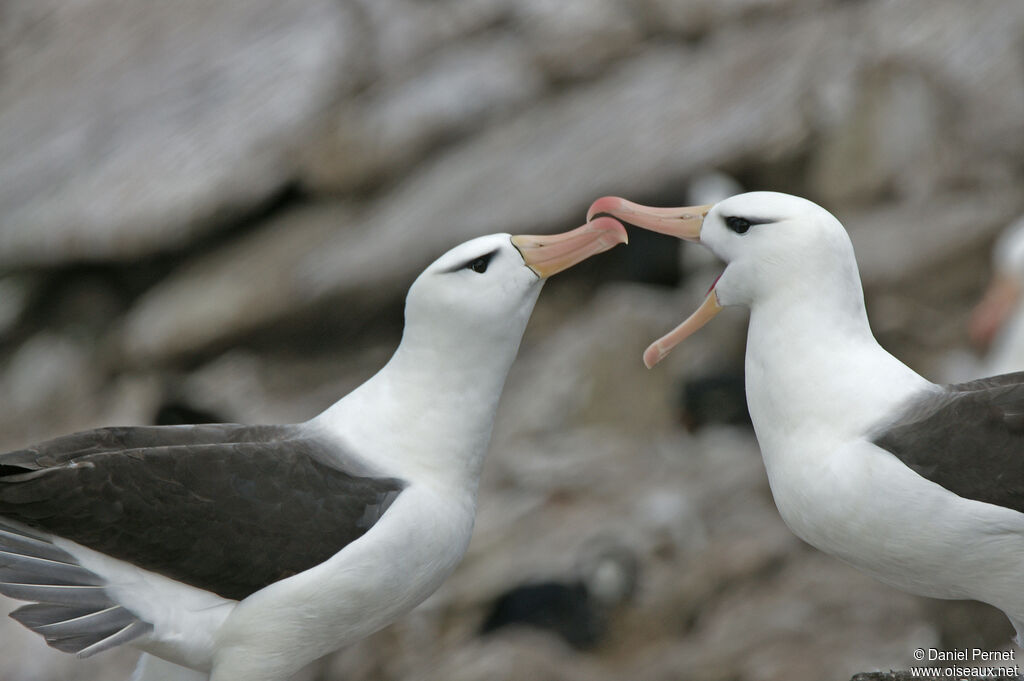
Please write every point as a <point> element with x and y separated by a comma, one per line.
<point>738,225</point>
<point>479,265</point>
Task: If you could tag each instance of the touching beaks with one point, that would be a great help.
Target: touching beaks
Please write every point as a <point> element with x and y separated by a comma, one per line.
<point>548,254</point>
<point>682,223</point>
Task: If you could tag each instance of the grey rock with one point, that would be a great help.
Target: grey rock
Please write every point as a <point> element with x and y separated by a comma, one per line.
<point>891,140</point>
<point>428,123</point>
<point>576,38</point>
<point>695,17</point>
<point>53,384</point>
<point>912,92</point>
<point>519,655</point>
<point>15,295</point>
<point>48,377</point>
<point>392,125</point>
<point>652,120</point>
<point>232,290</point>
<point>900,241</point>
<point>968,65</point>
<point>125,131</point>
<point>402,32</point>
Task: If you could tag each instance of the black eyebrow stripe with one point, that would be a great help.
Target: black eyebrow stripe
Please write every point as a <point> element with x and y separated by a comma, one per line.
<point>465,264</point>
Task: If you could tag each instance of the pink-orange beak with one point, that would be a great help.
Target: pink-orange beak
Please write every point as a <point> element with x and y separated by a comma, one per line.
<point>657,350</point>
<point>682,223</point>
<point>989,316</point>
<point>550,254</point>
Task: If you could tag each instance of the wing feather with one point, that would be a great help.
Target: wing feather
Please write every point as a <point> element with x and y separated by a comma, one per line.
<point>967,437</point>
<point>223,507</point>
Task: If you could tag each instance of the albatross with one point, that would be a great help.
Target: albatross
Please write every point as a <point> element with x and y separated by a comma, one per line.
<point>997,322</point>
<point>918,484</point>
<point>245,552</point>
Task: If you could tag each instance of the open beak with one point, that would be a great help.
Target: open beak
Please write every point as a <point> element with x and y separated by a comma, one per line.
<point>682,223</point>
<point>549,254</point>
<point>995,307</point>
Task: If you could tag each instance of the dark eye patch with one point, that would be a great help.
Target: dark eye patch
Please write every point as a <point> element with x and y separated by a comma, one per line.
<point>741,225</point>
<point>478,264</point>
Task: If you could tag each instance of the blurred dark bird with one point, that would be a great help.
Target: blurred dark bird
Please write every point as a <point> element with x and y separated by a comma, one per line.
<point>245,552</point>
<point>180,413</point>
<point>920,485</point>
<point>715,398</point>
<point>576,609</point>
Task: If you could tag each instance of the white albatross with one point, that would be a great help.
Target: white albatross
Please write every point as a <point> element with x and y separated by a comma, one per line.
<point>997,322</point>
<point>245,552</point>
<point>917,484</point>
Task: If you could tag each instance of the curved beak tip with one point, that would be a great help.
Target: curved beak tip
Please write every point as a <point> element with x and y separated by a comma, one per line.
<point>615,233</point>
<point>549,254</point>
<point>657,350</point>
<point>605,204</point>
<point>683,222</point>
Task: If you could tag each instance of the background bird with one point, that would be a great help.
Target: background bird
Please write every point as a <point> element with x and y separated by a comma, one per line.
<point>997,322</point>
<point>578,608</point>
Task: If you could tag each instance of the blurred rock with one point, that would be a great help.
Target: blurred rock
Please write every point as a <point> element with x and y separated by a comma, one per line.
<point>889,142</point>
<point>15,295</point>
<point>50,378</point>
<point>575,38</point>
<point>527,173</point>
<point>394,124</point>
<point>692,18</point>
<point>129,130</point>
<point>521,655</point>
<point>969,67</point>
<point>301,161</point>
<point>898,241</point>
<point>405,31</point>
<point>241,286</point>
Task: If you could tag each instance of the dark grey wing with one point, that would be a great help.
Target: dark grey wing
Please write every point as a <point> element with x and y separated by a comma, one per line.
<point>228,516</point>
<point>118,438</point>
<point>967,437</point>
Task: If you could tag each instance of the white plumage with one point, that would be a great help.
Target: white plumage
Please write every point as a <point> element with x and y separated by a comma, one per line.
<point>920,485</point>
<point>398,459</point>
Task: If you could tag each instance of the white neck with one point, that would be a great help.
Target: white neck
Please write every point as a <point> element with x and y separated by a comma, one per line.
<point>815,373</point>
<point>428,413</point>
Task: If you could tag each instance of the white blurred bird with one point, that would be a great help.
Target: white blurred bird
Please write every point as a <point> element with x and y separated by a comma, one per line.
<point>997,322</point>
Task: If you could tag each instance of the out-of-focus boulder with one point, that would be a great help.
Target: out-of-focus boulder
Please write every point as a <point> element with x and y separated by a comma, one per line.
<point>131,129</point>
<point>393,124</point>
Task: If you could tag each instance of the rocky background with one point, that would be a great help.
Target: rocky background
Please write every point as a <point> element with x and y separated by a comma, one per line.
<point>212,209</point>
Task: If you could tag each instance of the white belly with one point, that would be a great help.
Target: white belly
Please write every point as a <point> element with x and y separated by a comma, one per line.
<point>274,632</point>
<point>864,506</point>
<point>363,588</point>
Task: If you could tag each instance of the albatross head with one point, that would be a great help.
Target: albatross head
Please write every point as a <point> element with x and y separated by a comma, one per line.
<point>478,297</point>
<point>773,245</point>
<point>429,411</point>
